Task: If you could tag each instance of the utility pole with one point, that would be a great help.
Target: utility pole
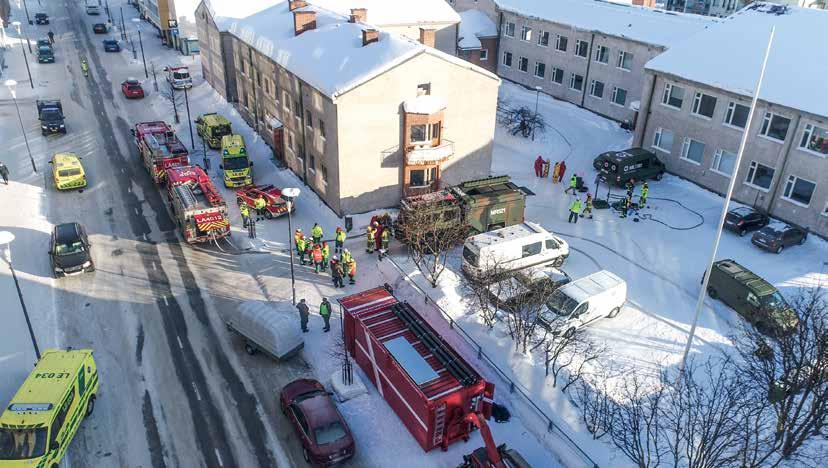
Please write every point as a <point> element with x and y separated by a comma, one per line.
<point>189,119</point>
<point>144,59</point>
<point>16,24</point>
<point>123,26</point>
<point>25,7</point>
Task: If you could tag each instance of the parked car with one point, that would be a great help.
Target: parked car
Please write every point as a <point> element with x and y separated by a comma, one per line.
<point>132,89</point>
<point>276,206</point>
<point>45,54</point>
<point>619,167</point>
<point>69,250</point>
<point>778,235</point>
<point>111,45</point>
<point>99,28</point>
<point>67,171</point>
<point>743,219</point>
<point>50,114</point>
<point>758,301</point>
<point>576,304</point>
<point>45,42</point>
<point>93,9</point>
<point>527,286</point>
<point>326,438</point>
<point>41,18</point>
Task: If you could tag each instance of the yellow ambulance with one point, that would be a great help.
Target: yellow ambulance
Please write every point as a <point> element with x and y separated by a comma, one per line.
<point>39,423</point>
<point>238,169</point>
<point>68,171</point>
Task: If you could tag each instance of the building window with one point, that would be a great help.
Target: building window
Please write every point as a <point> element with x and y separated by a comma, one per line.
<point>507,59</point>
<point>673,96</point>
<point>596,89</point>
<point>737,115</point>
<point>692,151</point>
<point>297,109</point>
<point>581,48</point>
<point>557,75</point>
<point>576,82</point>
<point>815,139</point>
<point>424,89</point>
<point>724,162</point>
<point>484,55</point>
<point>523,64</point>
<point>286,101</point>
<point>799,190</point>
<point>540,69</point>
<point>759,175</point>
<point>526,33</point>
<point>258,79</point>
<point>619,96</point>
<point>602,54</point>
<point>775,126</point>
<point>323,171</point>
<point>312,163</point>
<point>510,30</point>
<point>543,38</point>
<point>290,141</point>
<point>418,134</point>
<point>561,43</point>
<point>663,140</point>
<point>825,211</point>
<point>422,177</point>
<point>309,119</point>
<point>704,105</point>
<point>625,60</point>
<point>322,128</point>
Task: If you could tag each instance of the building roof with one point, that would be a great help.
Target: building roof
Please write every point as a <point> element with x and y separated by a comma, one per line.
<point>331,57</point>
<point>395,12</point>
<point>729,56</point>
<point>647,25</point>
<point>474,24</point>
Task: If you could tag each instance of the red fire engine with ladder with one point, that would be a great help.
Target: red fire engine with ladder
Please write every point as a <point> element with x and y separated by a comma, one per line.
<point>490,456</point>
<point>159,148</point>
<point>196,205</point>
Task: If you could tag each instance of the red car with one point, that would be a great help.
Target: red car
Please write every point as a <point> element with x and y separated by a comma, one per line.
<point>276,205</point>
<point>326,438</point>
<point>132,89</point>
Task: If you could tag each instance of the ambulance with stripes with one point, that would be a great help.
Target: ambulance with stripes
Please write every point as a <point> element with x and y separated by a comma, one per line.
<point>196,205</point>
<point>41,420</point>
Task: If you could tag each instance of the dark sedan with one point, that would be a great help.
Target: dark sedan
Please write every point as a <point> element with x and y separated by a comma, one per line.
<point>778,235</point>
<point>41,18</point>
<point>111,45</point>
<point>69,250</point>
<point>743,219</point>
<point>326,438</point>
<point>99,28</point>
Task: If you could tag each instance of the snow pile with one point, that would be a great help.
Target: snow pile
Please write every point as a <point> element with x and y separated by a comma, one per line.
<point>424,104</point>
<point>474,25</point>
<point>732,53</point>
<point>638,23</point>
<point>395,12</point>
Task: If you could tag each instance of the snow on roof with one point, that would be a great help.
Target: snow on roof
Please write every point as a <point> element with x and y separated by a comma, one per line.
<point>331,57</point>
<point>642,24</point>
<point>729,56</point>
<point>425,104</point>
<point>475,24</point>
<point>238,8</point>
<point>395,12</point>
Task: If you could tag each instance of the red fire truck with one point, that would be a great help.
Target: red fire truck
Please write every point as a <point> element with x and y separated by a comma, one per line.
<point>424,380</point>
<point>196,205</point>
<point>491,455</point>
<point>159,148</point>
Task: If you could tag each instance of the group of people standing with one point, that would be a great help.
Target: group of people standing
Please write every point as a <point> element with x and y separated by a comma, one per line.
<point>542,169</point>
<point>316,252</point>
<point>627,203</point>
<point>260,205</point>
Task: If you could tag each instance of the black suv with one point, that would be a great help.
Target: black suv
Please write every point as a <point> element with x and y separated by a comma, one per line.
<point>41,18</point>
<point>778,235</point>
<point>69,250</point>
<point>619,167</point>
<point>743,219</point>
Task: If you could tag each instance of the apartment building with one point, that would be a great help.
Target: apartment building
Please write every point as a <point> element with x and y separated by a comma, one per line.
<point>477,40</point>
<point>694,116</point>
<point>718,8</point>
<point>363,116</point>
<point>161,14</point>
<point>588,52</point>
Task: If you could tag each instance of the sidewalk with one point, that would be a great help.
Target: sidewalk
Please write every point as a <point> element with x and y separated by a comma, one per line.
<point>16,352</point>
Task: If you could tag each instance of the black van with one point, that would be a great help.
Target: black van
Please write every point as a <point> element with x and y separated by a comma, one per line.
<point>618,167</point>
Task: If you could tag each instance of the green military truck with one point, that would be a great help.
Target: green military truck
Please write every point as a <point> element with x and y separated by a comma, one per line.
<point>212,127</point>
<point>758,301</point>
<point>482,205</point>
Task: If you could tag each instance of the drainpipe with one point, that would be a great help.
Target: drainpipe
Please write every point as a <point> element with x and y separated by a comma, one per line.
<point>586,76</point>
<point>786,152</point>
<point>304,137</point>
<point>497,44</point>
<point>253,87</point>
<point>645,112</point>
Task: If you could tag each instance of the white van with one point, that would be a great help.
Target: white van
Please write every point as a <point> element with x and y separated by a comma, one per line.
<point>93,8</point>
<point>269,327</point>
<point>513,248</point>
<point>573,305</point>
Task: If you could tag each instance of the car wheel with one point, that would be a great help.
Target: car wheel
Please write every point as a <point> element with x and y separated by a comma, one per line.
<point>305,455</point>
<point>802,241</point>
<point>268,215</point>
<point>558,262</point>
<point>659,176</point>
<point>249,349</point>
<point>614,312</point>
<point>742,232</point>
<point>90,406</point>
<point>711,291</point>
<point>778,250</point>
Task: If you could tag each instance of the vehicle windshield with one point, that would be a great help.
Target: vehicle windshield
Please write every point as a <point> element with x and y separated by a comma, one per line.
<point>470,256</point>
<point>773,301</point>
<point>45,50</point>
<point>69,249</point>
<point>181,75</point>
<point>329,434</point>
<point>21,444</point>
<point>69,172</point>
<point>561,304</point>
<point>51,114</point>
<point>234,164</point>
<point>221,130</point>
<point>741,211</point>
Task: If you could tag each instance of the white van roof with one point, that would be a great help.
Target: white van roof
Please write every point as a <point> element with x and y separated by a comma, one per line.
<point>518,231</point>
<point>591,285</point>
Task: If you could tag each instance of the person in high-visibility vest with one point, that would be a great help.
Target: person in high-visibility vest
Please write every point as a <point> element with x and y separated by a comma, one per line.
<point>346,257</point>
<point>326,254</point>
<point>642,199</point>
<point>316,233</point>
<point>339,240</point>
<point>300,248</point>
<point>351,271</point>
<point>588,207</point>
<point>260,205</point>
<point>245,213</point>
<point>371,240</point>
<point>574,210</point>
<point>573,184</point>
<point>317,257</point>
<point>556,171</point>
<point>386,238</point>
<point>325,312</point>
<point>296,236</point>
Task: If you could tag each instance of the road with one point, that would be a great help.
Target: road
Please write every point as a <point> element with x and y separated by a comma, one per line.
<point>175,390</point>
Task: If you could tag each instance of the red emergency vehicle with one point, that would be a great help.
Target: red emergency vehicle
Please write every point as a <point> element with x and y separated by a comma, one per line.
<point>159,148</point>
<point>196,205</point>
<point>423,379</point>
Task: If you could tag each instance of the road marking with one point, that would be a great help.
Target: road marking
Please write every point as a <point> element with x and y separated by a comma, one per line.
<point>146,238</point>
<point>154,267</point>
<point>179,342</point>
<point>165,300</point>
<point>218,457</point>
<point>198,395</point>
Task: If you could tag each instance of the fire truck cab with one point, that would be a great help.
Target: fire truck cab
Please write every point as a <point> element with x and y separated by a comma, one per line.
<point>159,148</point>
<point>196,205</point>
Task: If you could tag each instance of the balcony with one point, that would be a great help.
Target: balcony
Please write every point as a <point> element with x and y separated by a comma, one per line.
<point>430,154</point>
<point>412,190</point>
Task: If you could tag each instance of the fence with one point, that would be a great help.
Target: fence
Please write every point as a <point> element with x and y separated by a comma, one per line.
<point>514,387</point>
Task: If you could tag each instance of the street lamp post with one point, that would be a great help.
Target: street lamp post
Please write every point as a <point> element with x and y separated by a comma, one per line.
<point>290,194</point>
<point>26,9</point>
<point>141,43</point>
<point>6,239</point>
<point>11,84</point>
<point>16,24</point>
<point>537,98</point>
<point>189,119</point>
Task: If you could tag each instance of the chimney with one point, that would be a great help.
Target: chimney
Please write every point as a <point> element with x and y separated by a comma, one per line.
<point>295,4</point>
<point>303,21</point>
<point>359,15</point>
<point>427,36</point>
<point>369,36</point>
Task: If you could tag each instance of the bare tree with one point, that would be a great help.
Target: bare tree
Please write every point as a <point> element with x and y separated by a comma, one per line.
<point>484,291</point>
<point>791,370</point>
<point>521,120</point>
<point>593,397</point>
<point>635,423</point>
<point>429,240</point>
<point>173,97</point>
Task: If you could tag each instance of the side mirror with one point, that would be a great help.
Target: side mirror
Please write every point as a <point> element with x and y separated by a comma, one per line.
<point>221,166</point>
<point>51,162</point>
